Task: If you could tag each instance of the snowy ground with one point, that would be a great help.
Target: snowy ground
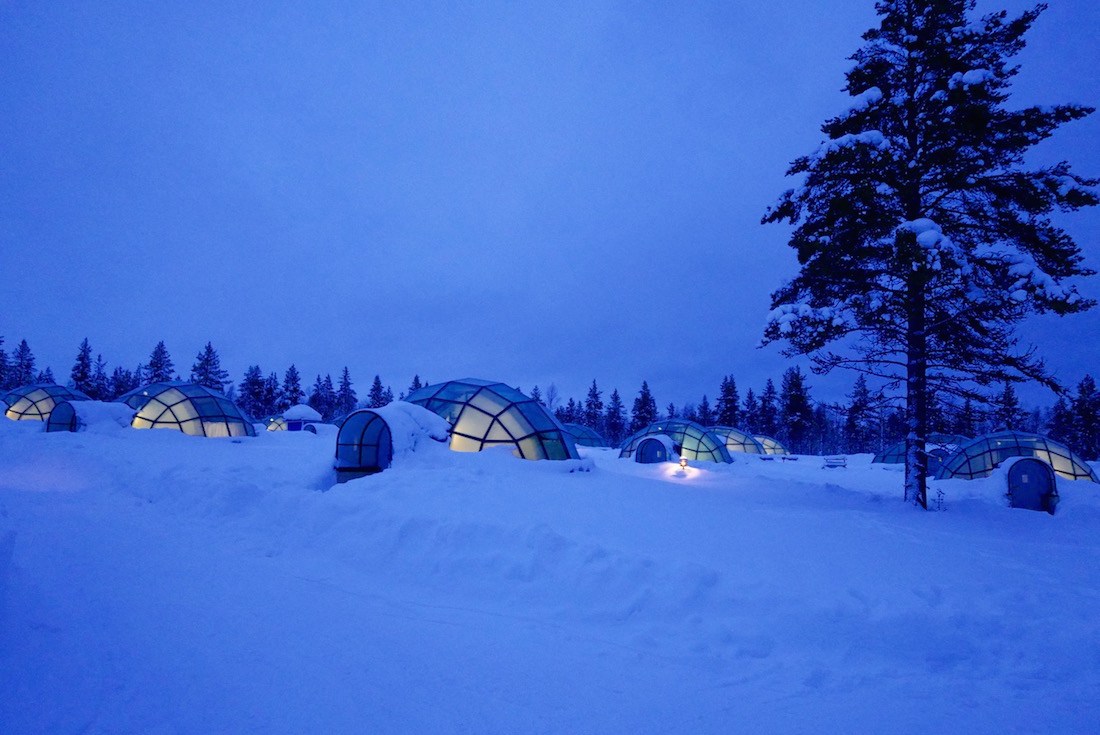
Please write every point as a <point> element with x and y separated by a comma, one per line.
<point>156,583</point>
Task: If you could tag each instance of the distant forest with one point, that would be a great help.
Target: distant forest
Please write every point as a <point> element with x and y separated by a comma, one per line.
<point>867,422</point>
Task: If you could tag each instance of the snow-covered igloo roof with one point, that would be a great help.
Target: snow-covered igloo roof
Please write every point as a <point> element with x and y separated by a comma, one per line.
<point>690,440</point>
<point>484,413</point>
<point>370,438</point>
<point>81,415</point>
<point>302,412</point>
<point>34,402</point>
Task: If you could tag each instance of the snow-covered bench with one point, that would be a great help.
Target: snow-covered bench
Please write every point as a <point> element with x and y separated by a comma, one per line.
<point>835,461</point>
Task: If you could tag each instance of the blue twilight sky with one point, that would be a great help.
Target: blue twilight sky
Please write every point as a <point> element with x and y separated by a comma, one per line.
<point>534,193</point>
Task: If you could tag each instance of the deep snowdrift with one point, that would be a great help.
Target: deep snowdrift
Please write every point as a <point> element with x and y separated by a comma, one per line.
<point>154,582</point>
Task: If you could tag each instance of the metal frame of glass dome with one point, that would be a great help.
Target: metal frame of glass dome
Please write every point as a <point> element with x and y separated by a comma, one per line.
<point>484,413</point>
<point>188,407</point>
<point>980,456</point>
<point>586,436</point>
<point>35,402</point>
<point>364,444</point>
<point>737,440</point>
<point>691,440</point>
<point>771,445</point>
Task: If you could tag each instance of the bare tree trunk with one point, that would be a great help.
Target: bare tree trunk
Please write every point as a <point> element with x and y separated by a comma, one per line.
<point>916,396</point>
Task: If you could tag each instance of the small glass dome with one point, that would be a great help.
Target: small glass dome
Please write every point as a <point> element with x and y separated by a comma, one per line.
<point>483,414</point>
<point>187,407</point>
<point>771,446</point>
<point>737,440</point>
<point>586,436</point>
<point>63,418</point>
<point>35,402</point>
<point>690,440</point>
<point>364,445</point>
<point>654,449</point>
<point>977,458</point>
<point>895,453</point>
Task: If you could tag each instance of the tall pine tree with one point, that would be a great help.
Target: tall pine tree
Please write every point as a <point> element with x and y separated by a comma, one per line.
<point>346,399</point>
<point>22,364</point>
<point>614,420</point>
<point>376,398</point>
<point>859,422</point>
<point>768,415</point>
<point>81,374</point>
<point>5,372</point>
<point>796,412</point>
<point>207,370</point>
<point>160,368</point>
<point>292,388</point>
<point>1086,419</point>
<point>728,407</point>
<point>593,409</point>
<point>923,237</point>
<point>644,411</point>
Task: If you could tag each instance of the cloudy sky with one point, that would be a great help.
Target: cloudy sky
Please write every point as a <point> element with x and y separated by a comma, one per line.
<point>533,193</point>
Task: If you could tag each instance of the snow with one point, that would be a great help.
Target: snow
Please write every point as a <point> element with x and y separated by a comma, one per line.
<point>301,412</point>
<point>410,425</point>
<point>970,78</point>
<point>871,138</point>
<point>865,99</point>
<point>103,416</point>
<point>154,582</point>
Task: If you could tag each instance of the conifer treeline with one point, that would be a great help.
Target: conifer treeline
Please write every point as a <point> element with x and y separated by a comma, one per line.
<point>868,422</point>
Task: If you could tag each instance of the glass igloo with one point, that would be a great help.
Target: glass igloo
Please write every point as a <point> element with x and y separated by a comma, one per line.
<point>35,402</point>
<point>691,441</point>
<point>586,436</point>
<point>895,453</point>
<point>737,440</point>
<point>364,444</point>
<point>187,407</point>
<point>771,446</point>
<point>978,457</point>
<point>483,414</point>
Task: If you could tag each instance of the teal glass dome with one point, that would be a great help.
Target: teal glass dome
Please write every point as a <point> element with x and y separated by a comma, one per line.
<point>691,441</point>
<point>585,436</point>
<point>188,407</point>
<point>980,456</point>
<point>895,453</point>
<point>737,440</point>
<point>484,413</point>
<point>35,402</point>
<point>770,445</point>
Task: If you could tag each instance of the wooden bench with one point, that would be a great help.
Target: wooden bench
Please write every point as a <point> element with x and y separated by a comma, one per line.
<point>835,461</point>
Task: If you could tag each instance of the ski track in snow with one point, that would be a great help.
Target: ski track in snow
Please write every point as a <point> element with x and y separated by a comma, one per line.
<point>157,583</point>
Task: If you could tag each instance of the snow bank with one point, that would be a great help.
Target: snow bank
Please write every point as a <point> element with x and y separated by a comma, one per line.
<point>154,583</point>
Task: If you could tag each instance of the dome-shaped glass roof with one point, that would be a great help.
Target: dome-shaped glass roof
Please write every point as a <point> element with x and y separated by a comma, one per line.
<point>771,446</point>
<point>187,407</point>
<point>737,440</point>
<point>586,436</point>
<point>895,453</point>
<point>483,414</point>
<point>691,441</point>
<point>978,457</point>
<point>35,402</point>
<point>364,443</point>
